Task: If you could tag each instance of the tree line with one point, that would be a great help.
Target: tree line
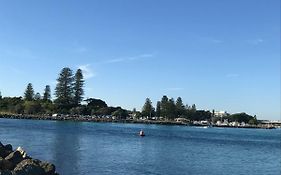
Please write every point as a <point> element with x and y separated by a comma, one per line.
<point>169,109</point>
<point>68,93</point>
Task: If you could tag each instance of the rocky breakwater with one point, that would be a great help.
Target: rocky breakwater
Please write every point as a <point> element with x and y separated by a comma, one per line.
<point>16,162</point>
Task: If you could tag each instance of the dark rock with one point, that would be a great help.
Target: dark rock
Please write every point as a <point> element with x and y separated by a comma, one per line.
<point>14,157</point>
<point>3,151</point>
<point>9,147</point>
<point>29,167</point>
<point>6,165</point>
<point>49,168</point>
<point>5,172</point>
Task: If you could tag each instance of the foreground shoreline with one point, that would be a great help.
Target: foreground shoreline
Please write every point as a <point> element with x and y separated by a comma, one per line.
<point>17,162</point>
<point>106,120</point>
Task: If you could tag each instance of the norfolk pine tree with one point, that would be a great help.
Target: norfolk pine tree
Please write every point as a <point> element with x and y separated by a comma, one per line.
<point>47,93</point>
<point>78,87</point>
<point>64,90</point>
<point>29,93</point>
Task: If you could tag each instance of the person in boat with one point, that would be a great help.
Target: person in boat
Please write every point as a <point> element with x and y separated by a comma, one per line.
<point>141,133</point>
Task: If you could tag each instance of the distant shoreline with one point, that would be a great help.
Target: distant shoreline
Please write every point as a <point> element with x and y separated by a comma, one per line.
<point>103,120</point>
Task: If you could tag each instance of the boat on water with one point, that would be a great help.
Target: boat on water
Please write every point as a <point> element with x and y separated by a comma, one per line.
<point>141,133</point>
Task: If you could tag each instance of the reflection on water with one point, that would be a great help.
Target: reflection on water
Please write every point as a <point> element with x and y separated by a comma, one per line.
<point>66,146</point>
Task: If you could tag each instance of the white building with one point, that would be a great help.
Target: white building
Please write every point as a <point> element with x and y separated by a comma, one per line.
<point>220,113</point>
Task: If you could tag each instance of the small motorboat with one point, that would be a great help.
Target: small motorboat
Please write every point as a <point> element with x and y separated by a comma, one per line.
<point>141,133</point>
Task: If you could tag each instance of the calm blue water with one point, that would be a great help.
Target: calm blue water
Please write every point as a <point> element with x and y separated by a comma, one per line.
<point>78,148</point>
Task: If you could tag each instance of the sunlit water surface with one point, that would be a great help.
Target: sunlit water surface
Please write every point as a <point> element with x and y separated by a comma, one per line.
<point>81,148</point>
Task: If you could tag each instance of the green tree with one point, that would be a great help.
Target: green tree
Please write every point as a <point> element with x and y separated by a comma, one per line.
<point>147,109</point>
<point>47,93</point>
<point>158,109</point>
<point>164,106</point>
<point>78,87</point>
<point>240,117</point>
<point>0,96</point>
<point>64,90</point>
<point>180,109</point>
<point>29,92</point>
<point>120,113</point>
<point>32,107</point>
<point>171,109</point>
<point>37,96</point>
<point>48,107</point>
<point>11,104</point>
<point>94,105</point>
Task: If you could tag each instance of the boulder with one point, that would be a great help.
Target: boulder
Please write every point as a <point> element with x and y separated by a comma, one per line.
<point>4,151</point>
<point>49,168</point>
<point>14,157</point>
<point>9,147</point>
<point>22,152</point>
<point>5,172</point>
<point>29,167</point>
<point>5,164</point>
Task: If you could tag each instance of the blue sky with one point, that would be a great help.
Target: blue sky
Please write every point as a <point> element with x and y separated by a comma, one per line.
<point>219,54</point>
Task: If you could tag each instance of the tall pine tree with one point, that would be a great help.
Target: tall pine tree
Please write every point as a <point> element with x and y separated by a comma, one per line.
<point>158,109</point>
<point>164,106</point>
<point>29,93</point>
<point>78,87</point>
<point>147,110</point>
<point>64,90</point>
<point>180,109</point>
<point>47,93</point>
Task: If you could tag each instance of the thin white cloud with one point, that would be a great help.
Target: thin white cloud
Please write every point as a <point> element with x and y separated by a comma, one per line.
<point>255,41</point>
<point>132,58</point>
<point>87,71</point>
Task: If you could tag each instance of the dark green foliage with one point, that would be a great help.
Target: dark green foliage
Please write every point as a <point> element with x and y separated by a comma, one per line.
<point>105,111</point>
<point>64,90</point>
<point>148,110</point>
<point>11,104</point>
<point>180,109</point>
<point>79,110</point>
<point>78,87</point>
<point>97,107</point>
<point>120,114</point>
<point>32,107</point>
<point>200,115</point>
<point>29,93</point>
<point>158,109</point>
<point>253,121</point>
<point>171,109</point>
<point>47,107</point>
<point>164,106</point>
<point>96,104</point>
<point>47,93</point>
<point>241,117</point>
<point>37,96</point>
